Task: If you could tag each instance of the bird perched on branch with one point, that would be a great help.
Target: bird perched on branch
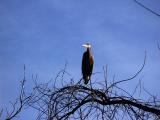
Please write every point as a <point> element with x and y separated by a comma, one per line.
<point>87,63</point>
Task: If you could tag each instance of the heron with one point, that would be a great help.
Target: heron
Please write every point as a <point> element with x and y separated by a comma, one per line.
<point>87,63</point>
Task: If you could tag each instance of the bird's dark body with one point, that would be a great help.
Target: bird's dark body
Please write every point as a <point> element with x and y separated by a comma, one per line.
<point>87,65</point>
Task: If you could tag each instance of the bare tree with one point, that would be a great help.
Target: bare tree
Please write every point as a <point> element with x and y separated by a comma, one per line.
<point>98,100</point>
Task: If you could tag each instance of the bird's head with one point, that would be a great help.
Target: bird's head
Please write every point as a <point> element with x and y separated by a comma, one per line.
<point>87,45</point>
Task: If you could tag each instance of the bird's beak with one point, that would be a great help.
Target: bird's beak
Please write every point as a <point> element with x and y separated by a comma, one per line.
<point>85,46</point>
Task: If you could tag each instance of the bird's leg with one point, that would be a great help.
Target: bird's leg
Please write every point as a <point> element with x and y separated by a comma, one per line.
<point>79,81</point>
<point>90,84</point>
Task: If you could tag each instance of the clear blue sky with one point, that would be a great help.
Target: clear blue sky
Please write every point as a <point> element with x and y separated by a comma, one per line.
<point>43,34</point>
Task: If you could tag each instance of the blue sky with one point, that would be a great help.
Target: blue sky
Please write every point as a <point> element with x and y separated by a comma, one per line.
<point>44,34</point>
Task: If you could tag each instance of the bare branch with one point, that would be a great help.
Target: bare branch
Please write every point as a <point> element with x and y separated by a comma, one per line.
<point>148,9</point>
